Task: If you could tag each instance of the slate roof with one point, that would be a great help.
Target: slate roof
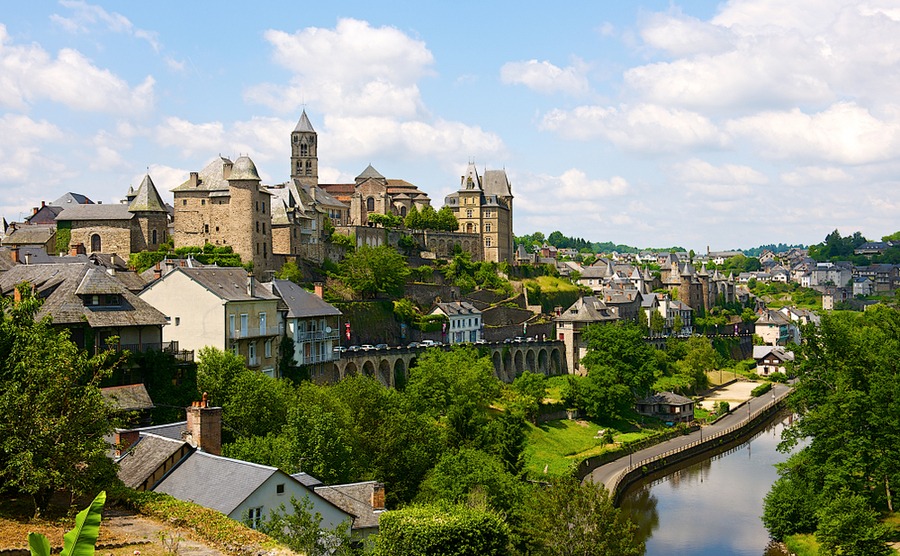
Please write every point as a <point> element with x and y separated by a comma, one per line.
<point>303,124</point>
<point>131,397</point>
<point>456,308</point>
<point>772,318</point>
<point>496,183</point>
<point>588,309</point>
<point>45,215</point>
<point>144,457</point>
<point>229,283</point>
<point>34,234</point>
<point>355,499</point>
<point>95,212</point>
<point>300,303</point>
<point>172,431</point>
<point>307,480</point>
<point>147,198</point>
<point>244,169</point>
<point>57,285</point>
<point>215,482</point>
<point>669,398</point>
<point>211,177</point>
<point>762,351</point>
<point>370,173</point>
<point>70,198</point>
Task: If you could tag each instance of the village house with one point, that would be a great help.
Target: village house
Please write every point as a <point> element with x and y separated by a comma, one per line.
<point>668,407</point>
<point>571,323</point>
<point>771,359</point>
<point>464,321</point>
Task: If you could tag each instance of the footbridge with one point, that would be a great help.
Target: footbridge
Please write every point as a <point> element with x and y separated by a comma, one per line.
<point>391,365</point>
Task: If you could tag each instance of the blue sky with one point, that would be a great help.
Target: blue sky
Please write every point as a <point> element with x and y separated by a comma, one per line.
<point>700,124</point>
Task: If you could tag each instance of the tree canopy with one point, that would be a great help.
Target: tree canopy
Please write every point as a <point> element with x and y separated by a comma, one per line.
<point>370,271</point>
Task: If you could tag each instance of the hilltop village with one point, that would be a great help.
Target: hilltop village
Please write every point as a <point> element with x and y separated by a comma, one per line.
<point>317,283</point>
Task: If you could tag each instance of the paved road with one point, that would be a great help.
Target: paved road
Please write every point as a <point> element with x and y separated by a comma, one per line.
<point>610,473</point>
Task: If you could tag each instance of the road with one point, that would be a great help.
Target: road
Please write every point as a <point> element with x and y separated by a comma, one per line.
<point>610,473</point>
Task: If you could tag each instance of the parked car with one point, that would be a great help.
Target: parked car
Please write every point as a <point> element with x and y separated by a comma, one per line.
<point>428,343</point>
<point>340,349</point>
<point>481,341</point>
<point>518,339</point>
<point>412,345</point>
<point>353,348</point>
<point>366,347</point>
<point>381,346</point>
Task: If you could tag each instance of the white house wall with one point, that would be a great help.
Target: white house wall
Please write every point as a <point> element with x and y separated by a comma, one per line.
<point>196,315</point>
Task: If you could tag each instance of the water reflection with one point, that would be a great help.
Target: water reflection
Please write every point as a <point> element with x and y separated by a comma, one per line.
<point>711,506</point>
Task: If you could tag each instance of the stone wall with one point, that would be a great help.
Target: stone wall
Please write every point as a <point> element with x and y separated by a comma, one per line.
<point>115,235</point>
<point>424,295</point>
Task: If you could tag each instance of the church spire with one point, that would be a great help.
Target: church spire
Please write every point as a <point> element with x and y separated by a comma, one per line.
<point>304,148</point>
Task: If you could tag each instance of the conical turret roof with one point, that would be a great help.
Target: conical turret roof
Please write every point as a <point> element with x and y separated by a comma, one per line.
<point>304,125</point>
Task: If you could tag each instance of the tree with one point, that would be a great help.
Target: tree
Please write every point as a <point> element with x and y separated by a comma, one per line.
<point>700,358</point>
<point>446,220</point>
<point>389,220</point>
<point>790,506</point>
<point>53,418</point>
<point>458,474</point>
<point>413,221</point>
<point>531,388</point>
<point>850,527</point>
<point>287,365</point>
<point>441,380</point>
<point>301,529</point>
<point>289,271</point>
<point>657,323</point>
<point>216,371</point>
<point>570,518</point>
<point>256,405</point>
<point>370,271</point>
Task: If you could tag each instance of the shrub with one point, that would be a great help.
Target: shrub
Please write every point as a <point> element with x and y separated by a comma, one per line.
<point>442,530</point>
<point>761,389</point>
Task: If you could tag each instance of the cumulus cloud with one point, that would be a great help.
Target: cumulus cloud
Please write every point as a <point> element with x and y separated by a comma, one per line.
<point>29,74</point>
<point>815,175</point>
<point>23,144</point>
<point>845,133</point>
<point>680,35</point>
<point>85,16</point>
<point>546,78</point>
<point>726,181</point>
<point>644,127</point>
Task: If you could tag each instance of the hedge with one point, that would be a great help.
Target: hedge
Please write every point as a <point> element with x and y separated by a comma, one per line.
<point>442,530</point>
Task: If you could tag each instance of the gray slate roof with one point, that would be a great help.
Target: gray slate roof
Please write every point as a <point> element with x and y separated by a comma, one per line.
<point>95,212</point>
<point>57,285</point>
<point>30,235</point>
<point>355,499</point>
<point>215,482</point>
<point>496,183</point>
<point>669,398</point>
<point>229,283</point>
<point>370,173</point>
<point>147,198</point>
<point>70,198</point>
<point>244,169</point>
<point>455,308</point>
<point>301,303</point>
<point>131,397</point>
<point>144,457</point>
<point>761,351</point>
<point>588,309</point>
<point>307,480</point>
<point>304,125</point>
<point>212,177</point>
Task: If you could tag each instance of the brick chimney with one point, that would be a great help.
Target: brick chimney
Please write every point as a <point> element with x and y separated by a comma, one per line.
<point>204,427</point>
<point>124,439</point>
<point>77,249</point>
<point>157,271</point>
<point>378,496</point>
<point>195,179</point>
<point>14,253</point>
<point>319,288</point>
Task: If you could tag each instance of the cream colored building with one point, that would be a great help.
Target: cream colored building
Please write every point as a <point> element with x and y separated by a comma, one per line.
<point>221,307</point>
<point>483,205</point>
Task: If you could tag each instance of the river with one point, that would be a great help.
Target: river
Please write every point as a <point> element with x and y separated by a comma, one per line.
<point>711,507</point>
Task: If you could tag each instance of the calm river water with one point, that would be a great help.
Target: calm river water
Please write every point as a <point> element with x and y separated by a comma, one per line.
<point>712,507</point>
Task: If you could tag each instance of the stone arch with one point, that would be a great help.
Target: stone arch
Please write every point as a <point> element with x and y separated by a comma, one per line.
<point>384,373</point>
<point>333,374</point>
<point>469,228</point>
<point>350,369</point>
<point>368,368</point>
<point>519,360</point>
<point>543,361</point>
<point>531,361</point>
<point>556,366</point>
<point>507,364</point>
<point>498,364</point>
<point>399,373</point>
<point>96,243</point>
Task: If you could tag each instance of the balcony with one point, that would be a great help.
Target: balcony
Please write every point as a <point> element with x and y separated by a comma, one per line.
<point>165,347</point>
<point>255,332</point>
<point>317,335</point>
<point>316,358</point>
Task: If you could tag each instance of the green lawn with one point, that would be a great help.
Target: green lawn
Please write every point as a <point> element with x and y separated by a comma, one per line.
<point>558,446</point>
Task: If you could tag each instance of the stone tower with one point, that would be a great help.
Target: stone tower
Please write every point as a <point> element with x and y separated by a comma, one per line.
<point>151,219</point>
<point>304,148</point>
<point>250,219</point>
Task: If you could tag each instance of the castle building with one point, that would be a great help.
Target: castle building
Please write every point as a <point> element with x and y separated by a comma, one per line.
<point>372,193</point>
<point>483,205</point>
<point>225,204</point>
<point>137,225</point>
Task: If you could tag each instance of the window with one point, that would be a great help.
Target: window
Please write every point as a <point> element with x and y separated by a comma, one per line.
<point>370,204</point>
<point>206,228</point>
<point>184,202</point>
<point>254,517</point>
<point>309,168</point>
<point>257,227</point>
<point>234,348</point>
<point>231,325</point>
<point>264,228</point>
<point>153,237</point>
<point>487,242</point>
<point>95,243</point>
<point>304,150</point>
<point>268,348</point>
<point>487,227</point>
<point>279,489</point>
<point>251,352</point>
<point>263,205</point>
<point>245,322</point>
<point>468,213</point>
<point>177,321</point>
<point>202,202</point>
<point>262,323</point>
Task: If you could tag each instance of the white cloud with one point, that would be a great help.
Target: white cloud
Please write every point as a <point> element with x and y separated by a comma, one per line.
<point>726,181</point>
<point>545,77</point>
<point>644,127</point>
<point>191,138</point>
<point>29,74</point>
<point>681,35</point>
<point>351,70</point>
<point>845,133</point>
<point>815,175</point>
<point>86,15</point>
<point>23,144</point>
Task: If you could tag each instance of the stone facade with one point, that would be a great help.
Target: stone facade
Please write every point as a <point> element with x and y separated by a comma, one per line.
<point>483,206</point>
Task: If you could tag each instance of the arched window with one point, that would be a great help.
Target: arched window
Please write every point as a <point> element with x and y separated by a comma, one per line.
<point>95,243</point>
<point>309,167</point>
<point>304,150</point>
<point>403,212</point>
<point>370,204</point>
<point>469,228</point>
<point>153,237</point>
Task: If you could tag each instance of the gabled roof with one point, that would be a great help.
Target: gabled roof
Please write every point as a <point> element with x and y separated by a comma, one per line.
<point>303,125</point>
<point>95,212</point>
<point>470,180</point>
<point>57,284</point>
<point>211,177</point>
<point>70,198</point>
<point>147,198</point>
<point>144,457</point>
<point>131,397</point>
<point>30,235</point>
<point>215,482</point>
<point>669,398</point>
<point>778,351</point>
<point>588,309</point>
<point>300,303</point>
<point>355,499</point>
<point>228,283</point>
<point>456,308</point>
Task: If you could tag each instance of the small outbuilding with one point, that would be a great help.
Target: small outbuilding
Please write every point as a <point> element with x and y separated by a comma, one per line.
<point>668,407</point>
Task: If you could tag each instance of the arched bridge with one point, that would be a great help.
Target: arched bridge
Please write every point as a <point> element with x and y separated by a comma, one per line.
<point>510,360</point>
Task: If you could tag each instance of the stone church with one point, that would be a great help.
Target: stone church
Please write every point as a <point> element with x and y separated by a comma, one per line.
<point>483,205</point>
<point>138,224</point>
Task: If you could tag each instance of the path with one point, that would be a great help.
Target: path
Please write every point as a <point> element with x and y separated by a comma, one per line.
<point>610,473</point>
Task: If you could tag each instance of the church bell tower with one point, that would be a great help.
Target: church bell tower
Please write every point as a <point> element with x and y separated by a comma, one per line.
<point>304,158</point>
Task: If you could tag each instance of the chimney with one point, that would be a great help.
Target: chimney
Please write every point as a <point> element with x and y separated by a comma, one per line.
<point>125,439</point>
<point>250,284</point>
<point>77,249</point>
<point>204,426</point>
<point>14,253</point>
<point>319,288</point>
<point>157,271</point>
<point>226,170</point>
<point>43,204</point>
<point>34,211</point>
<point>195,179</point>
<point>378,496</point>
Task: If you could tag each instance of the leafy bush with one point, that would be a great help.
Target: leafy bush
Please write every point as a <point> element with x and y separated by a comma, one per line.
<point>761,389</point>
<point>442,530</point>
<point>778,377</point>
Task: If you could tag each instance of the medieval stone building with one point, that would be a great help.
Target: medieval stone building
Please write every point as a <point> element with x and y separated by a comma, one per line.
<point>483,205</point>
<point>372,193</point>
<point>139,224</point>
<point>697,288</point>
<point>225,204</point>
